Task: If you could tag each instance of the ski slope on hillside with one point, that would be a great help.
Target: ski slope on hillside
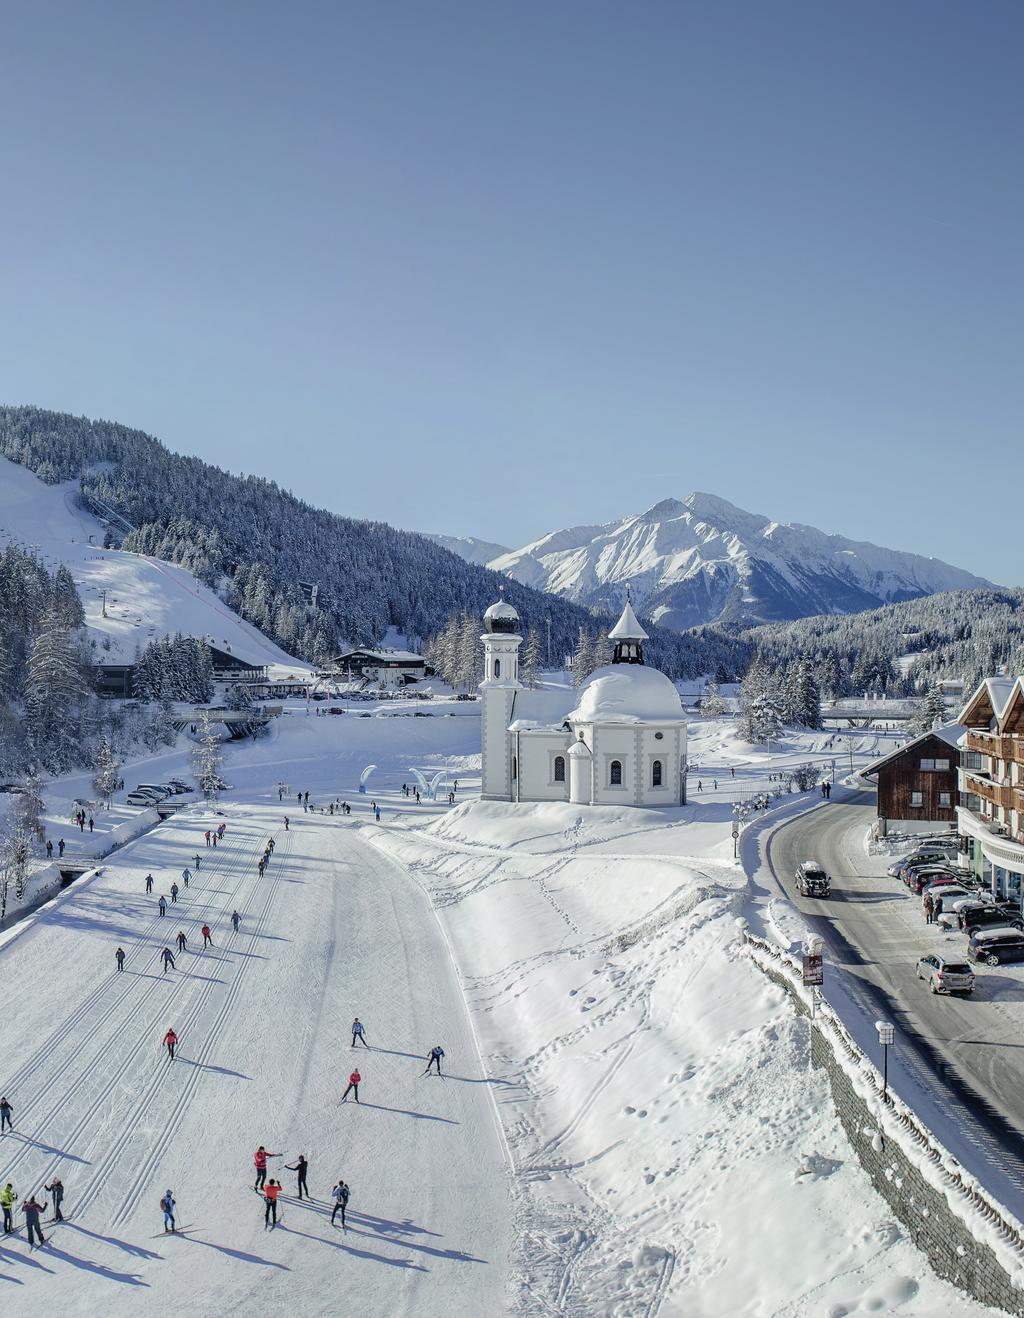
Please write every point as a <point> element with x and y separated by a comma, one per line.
<point>145,597</point>
<point>333,930</point>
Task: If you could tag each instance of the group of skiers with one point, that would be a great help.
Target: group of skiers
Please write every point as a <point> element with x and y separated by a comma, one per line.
<point>264,860</point>
<point>355,1079</point>
<point>32,1209</point>
<point>272,1188</point>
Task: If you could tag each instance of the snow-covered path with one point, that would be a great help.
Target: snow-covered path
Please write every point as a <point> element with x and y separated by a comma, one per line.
<point>333,930</point>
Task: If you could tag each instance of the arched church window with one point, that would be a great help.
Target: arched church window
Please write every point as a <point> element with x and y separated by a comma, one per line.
<point>656,774</point>
<point>615,773</point>
<point>559,768</point>
<point>497,668</point>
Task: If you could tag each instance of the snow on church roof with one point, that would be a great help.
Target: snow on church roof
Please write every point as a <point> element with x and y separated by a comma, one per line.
<point>627,693</point>
<point>628,627</point>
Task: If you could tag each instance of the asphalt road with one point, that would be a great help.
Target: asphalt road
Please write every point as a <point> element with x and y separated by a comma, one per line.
<point>970,1051</point>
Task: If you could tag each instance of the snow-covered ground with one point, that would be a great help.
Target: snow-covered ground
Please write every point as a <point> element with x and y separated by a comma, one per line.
<point>671,1153</point>
<point>145,597</point>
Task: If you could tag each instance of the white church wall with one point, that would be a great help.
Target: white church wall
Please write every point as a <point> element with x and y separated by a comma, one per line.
<point>537,752</point>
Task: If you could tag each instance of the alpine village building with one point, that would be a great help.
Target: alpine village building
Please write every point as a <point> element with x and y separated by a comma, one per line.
<point>917,783</point>
<point>990,815</point>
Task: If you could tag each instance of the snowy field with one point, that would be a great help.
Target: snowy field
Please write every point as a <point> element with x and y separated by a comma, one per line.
<point>643,1136</point>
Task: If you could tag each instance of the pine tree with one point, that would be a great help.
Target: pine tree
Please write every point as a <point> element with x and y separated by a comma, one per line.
<point>711,702</point>
<point>207,757</point>
<point>15,859</point>
<point>106,774</point>
<point>582,664</point>
<point>66,603</point>
<point>804,697</point>
<point>930,712</point>
<point>530,672</point>
<point>54,689</point>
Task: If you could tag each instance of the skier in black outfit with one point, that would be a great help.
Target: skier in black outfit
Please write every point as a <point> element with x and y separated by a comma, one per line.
<point>236,920</point>
<point>436,1053</point>
<point>119,955</point>
<point>5,1115</point>
<point>340,1195</point>
<point>56,1190</point>
<point>301,1167</point>
<point>149,883</point>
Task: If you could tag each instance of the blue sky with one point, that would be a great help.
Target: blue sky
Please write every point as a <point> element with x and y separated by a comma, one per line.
<point>493,269</point>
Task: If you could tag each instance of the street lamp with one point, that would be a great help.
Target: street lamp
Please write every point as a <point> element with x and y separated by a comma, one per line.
<point>886,1037</point>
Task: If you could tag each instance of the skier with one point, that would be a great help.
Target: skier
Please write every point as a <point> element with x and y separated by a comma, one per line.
<point>174,892</point>
<point>260,1159</point>
<point>261,866</point>
<point>207,939</point>
<point>220,831</point>
<point>353,1084</point>
<point>149,883</point>
<point>60,847</point>
<point>5,1115</point>
<point>186,874</point>
<point>182,940</point>
<point>207,836</point>
<point>7,1198</point>
<point>270,1192</point>
<point>163,905</point>
<point>213,840</point>
<point>168,957</point>
<point>170,1042</point>
<point>119,957</point>
<point>32,1209</point>
<point>301,1167</point>
<point>236,920</point>
<point>376,813</point>
<point>196,859</point>
<point>340,1196</point>
<point>358,1033</point>
<point>167,1207</point>
<point>56,1190</point>
<point>436,1053</point>
<point>286,823</point>
<point>306,798</point>
<point>90,823</point>
<point>49,849</point>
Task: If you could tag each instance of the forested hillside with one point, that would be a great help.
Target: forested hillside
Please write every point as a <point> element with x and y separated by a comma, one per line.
<point>967,634</point>
<point>264,548</point>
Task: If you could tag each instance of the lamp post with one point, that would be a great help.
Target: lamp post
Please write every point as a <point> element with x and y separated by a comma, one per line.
<point>886,1037</point>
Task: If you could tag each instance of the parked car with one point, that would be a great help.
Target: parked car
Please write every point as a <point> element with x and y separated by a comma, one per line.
<point>994,946</point>
<point>812,880</point>
<point>995,915</point>
<point>921,879</point>
<point>916,857</point>
<point>945,976</point>
<point>942,898</point>
<point>156,788</point>
<point>142,798</point>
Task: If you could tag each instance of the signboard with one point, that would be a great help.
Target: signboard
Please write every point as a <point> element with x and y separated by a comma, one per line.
<point>735,828</point>
<point>814,970</point>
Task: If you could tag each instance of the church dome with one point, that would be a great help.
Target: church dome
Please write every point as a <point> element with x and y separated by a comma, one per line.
<point>501,617</point>
<point>579,750</point>
<point>627,693</point>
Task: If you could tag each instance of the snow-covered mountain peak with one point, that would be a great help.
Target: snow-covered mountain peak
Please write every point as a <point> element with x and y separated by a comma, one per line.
<point>704,560</point>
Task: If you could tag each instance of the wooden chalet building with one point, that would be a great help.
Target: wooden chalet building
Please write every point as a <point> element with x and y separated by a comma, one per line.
<point>991,808</point>
<point>383,668</point>
<point>115,680</point>
<point>917,784</point>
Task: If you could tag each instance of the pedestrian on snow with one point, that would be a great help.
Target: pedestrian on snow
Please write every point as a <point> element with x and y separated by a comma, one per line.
<point>417,796</point>
<point>186,874</point>
<point>732,770</point>
<point>32,1209</point>
<point>929,908</point>
<point>235,920</point>
<point>56,1191</point>
<point>306,798</point>
<point>280,793</point>
<point>714,785</point>
<point>434,1059</point>
<point>340,1196</point>
<point>301,1167</point>
<point>181,940</point>
<point>49,849</point>
<point>7,1201</point>
<point>270,1193</point>
<point>163,905</point>
<point>353,1086</point>
<point>823,791</point>
<point>149,883</point>
<point>90,823</point>
<point>119,957</point>
<point>456,784</point>
<point>5,1115</point>
<point>213,840</point>
<point>376,813</point>
<point>358,1033</point>
<point>174,892</point>
<point>60,847</point>
<point>260,1159</point>
<point>168,957</point>
<point>207,836</point>
<point>207,938</point>
<point>286,823</point>
<point>167,1207</point>
<point>170,1043</point>
<point>81,823</point>
<point>346,807</point>
<point>700,785</point>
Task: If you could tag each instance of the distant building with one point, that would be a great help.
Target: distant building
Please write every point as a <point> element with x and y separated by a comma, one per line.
<point>116,680</point>
<point>383,668</point>
<point>917,784</point>
<point>618,740</point>
<point>991,809</point>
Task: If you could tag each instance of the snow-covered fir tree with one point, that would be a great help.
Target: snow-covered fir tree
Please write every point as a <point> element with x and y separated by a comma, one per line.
<point>207,757</point>
<point>106,773</point>
<point>529,672</point>
<point>711,702</point>
<point>55,690</point>
<point>930,712</point>
<point>582,664</point>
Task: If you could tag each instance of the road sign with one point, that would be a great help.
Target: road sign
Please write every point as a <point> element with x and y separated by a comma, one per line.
<point>814,970</point>
<point>735,828</point>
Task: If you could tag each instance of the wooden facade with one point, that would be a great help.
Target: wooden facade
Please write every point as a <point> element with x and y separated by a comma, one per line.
<point>917,785</point>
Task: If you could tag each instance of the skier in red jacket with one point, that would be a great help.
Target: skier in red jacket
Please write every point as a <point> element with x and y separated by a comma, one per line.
<point>206,936</point>
<point>353,1084</point>
<point>170,1043</point>
<point>260,1159</point>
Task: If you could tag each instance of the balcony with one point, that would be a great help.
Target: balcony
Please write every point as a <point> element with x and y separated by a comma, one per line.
<point>995,793</point>
<point>1004,746</point>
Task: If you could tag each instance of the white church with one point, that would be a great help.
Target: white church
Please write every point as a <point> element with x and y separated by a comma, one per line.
<point>620,739</point>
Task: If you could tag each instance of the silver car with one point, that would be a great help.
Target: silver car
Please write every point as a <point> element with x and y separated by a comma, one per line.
<point>945,976</point>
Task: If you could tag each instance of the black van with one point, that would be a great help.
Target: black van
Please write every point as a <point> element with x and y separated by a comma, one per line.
<point>999,915</point>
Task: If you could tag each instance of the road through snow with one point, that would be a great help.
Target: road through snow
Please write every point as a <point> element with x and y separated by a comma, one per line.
<point>333,930</point>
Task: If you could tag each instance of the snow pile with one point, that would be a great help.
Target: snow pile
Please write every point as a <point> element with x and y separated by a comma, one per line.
<point>671,1143</point>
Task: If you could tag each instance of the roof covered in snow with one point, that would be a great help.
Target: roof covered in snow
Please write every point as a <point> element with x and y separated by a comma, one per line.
<point>993,692</point>
<point>547,707</point>
<point>628,627</point>
<point>627,693</point>
<point>951,733</point>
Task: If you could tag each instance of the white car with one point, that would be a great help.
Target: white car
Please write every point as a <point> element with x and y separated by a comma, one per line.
<point>945,976</point>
